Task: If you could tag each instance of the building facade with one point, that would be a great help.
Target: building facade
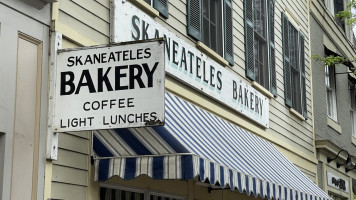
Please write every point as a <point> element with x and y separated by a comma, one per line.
<point>213,41</point>
<point>333,96</point>
<point>24,44</point>
<point>239,103</point>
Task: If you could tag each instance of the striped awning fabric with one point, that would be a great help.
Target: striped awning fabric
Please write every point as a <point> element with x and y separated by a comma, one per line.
<point>195,143</point>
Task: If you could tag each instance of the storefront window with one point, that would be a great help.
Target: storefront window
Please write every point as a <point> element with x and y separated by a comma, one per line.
<point>336,197</point>
<point>134,194</point>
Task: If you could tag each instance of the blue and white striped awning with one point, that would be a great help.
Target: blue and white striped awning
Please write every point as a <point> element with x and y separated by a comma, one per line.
<point>195,143</point>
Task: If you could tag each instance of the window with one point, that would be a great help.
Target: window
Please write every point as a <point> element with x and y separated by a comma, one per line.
<point>160,5</point>
<point>353,109</point>
<point>335,6</point>
<point>210,21</point>
<point>294,67</point>
<point>259,43</point>
<point>330,92</point>
<point>111,193</point>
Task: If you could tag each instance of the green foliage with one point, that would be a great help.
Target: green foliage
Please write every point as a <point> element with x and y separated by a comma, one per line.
<point>347,14</point>
<point>351,20</point>
<point>334,60</point>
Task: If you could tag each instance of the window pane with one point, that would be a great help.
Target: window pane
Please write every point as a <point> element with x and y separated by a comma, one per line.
<point>331,95</point>
<point>212,25</point>
<point>261,47</point>
<point>116,194</point>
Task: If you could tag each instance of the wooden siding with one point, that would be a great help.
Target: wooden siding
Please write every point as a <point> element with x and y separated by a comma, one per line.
<point>71,171</point>
<point>86,22</point>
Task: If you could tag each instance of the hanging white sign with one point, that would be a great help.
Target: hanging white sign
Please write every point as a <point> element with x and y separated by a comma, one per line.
<point>189,65</point>
<point>104,87</point>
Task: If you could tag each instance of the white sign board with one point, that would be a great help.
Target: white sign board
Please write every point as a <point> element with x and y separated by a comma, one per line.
<point>116,86</point>
<point>337,182</point>
<point>189,65</point>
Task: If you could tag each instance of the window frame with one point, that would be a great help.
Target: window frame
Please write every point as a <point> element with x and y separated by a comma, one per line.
<point>330,86</point>
<point>264,74</point>
<point>352,92</point>
<point>195,29</point>
<point>159,6</point>
<point>292,89</point>
<point>219,26</point>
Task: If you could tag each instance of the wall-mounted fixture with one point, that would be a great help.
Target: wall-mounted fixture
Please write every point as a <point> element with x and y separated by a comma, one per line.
<point>348,162</point>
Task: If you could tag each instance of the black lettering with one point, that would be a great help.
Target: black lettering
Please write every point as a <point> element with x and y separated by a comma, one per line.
<point>104,121</point>
<point>113,119</point>
<point>256,104</point>
<point>111,57</point>
<point>90,118</point>
<point>175,51</point>
<point>168,47</point>
<point>132,57</point>
<point>88,60</point>
<point>89,82</point>
<point>246,97</point>
<point>70,60</point>
<point>198,68</point>
<point>78,60</point>
<point>63,126</point>
<point>84,108</point>
<point>251,101</point>
<point>139,53</point>
<point>122,118</point>
<point>234,90</point>
<point>183,59</point>
<point>138,117</point>
<point>144,30</point>
<point>65,82</point>
<point>204,73</point>
<point>135,24</point>
<point>130,103</point>
<point>156,33</point>
<point>128,118</point>
<point>212,74</point>
<point>191,55</point>
<point>240,95</point>
<point>121,103</point>
<point>219,75</point>
<point>153,116</point>
<point>118,76</point>
<point>126,55</point>
<point>74,122</point>
<point>96,58</point>
<point>148,53</point>
<point>103,78</point>
<point>261,105</point>
<point>136,77</point>
<point>103,58</point>
<point>149,73</point>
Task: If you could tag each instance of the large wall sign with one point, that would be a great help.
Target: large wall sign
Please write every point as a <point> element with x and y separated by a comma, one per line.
<point>338,183</point>
<point>189,65</point>
<point>109,87</point>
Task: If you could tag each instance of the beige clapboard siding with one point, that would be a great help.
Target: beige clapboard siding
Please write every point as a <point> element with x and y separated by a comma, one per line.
<point>89,19</point>
<point>73,143</point>
<point>70,171</point>
<point>84,16</point>
<point>69,175</point>
<point>104,3</point>
<point>78,32</point>
<point>68,192</point>
<point>95,8</point>
<point>292,130</point>
<point>72,159</point>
